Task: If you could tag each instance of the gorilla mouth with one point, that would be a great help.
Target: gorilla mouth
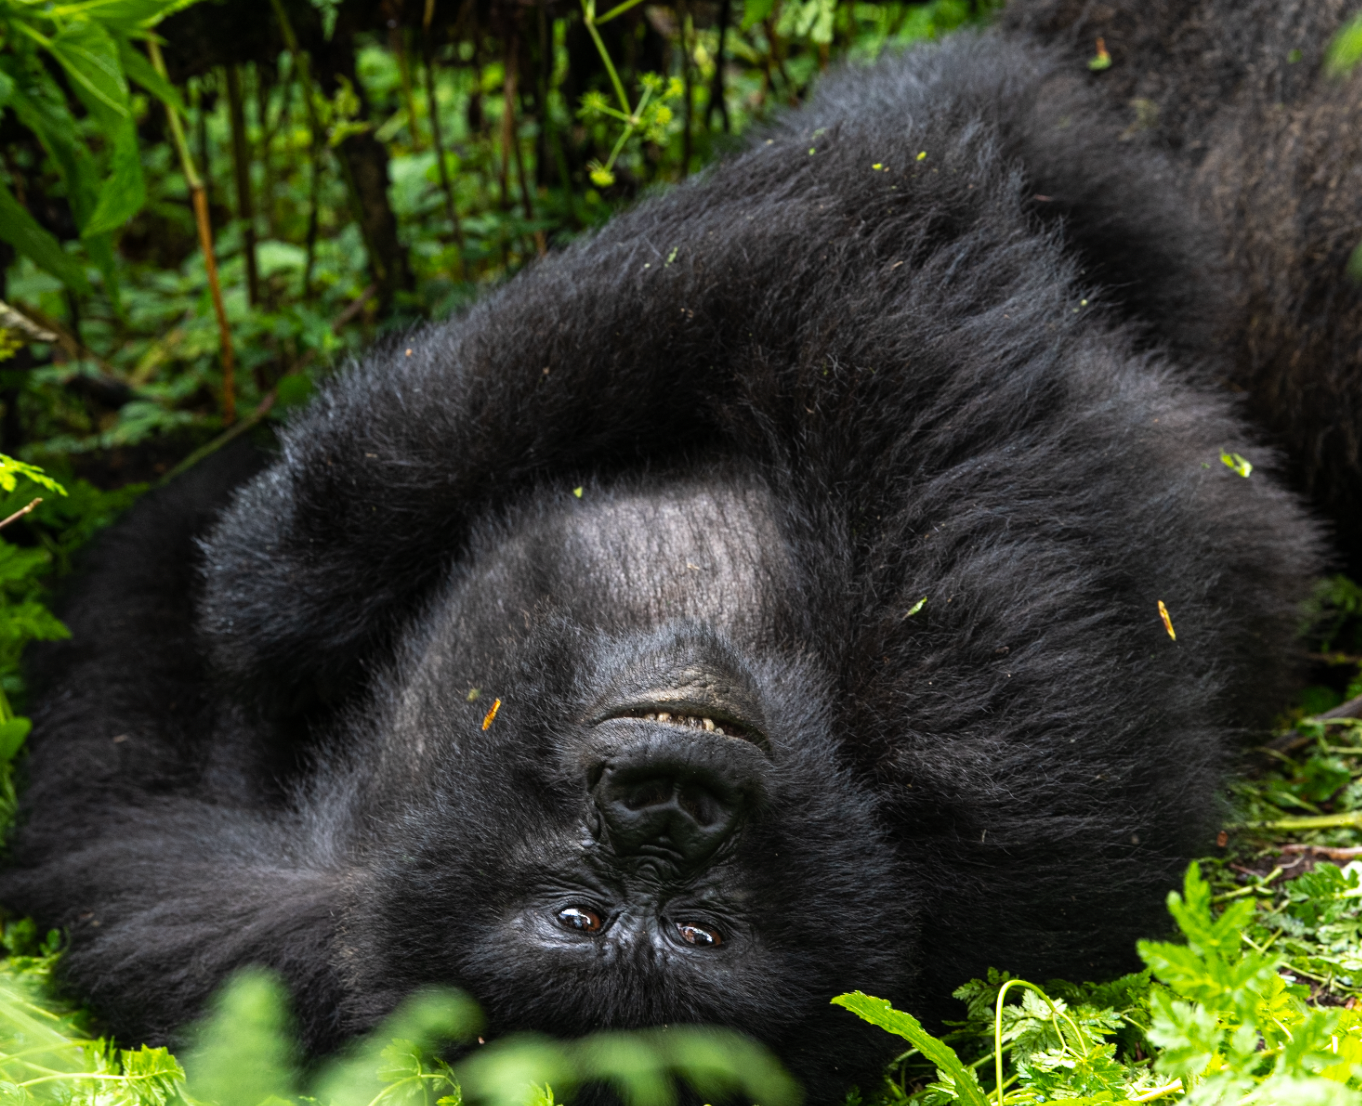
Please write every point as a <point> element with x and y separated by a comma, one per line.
<point>724,727</point>
<point>687,690</point>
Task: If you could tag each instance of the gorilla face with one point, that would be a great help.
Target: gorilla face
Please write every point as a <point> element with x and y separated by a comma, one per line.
<point>676,839</point>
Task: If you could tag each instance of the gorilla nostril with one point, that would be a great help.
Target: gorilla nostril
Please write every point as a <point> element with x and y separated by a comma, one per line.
<point>699,804</point>
<point>649,793</point>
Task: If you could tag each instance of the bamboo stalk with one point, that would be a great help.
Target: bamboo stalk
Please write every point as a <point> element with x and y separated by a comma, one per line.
<point>687,68</point>
<point>397,44</point>
<point>511,140</point>
<point>241,163</point>
<point>199,196</point>
<point>436,139</point>
<point>718,100</point>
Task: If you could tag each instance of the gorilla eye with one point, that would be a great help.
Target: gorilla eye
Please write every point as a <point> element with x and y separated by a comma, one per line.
<point>698,935</point>
<point>580,919</point>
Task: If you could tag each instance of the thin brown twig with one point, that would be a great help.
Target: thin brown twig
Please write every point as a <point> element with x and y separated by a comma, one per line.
<point>20,513</point>
<point>353,308</point>
<point>1351,852</point>
<point>70,345</point>
<point>1293,739</point>
<point>436,139</point>
<point>199,196</point>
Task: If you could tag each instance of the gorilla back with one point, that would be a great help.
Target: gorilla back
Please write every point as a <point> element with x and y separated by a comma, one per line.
<point>737,766</point>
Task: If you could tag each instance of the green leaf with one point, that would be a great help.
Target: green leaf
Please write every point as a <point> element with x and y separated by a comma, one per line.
<point>100,249</point>
<point>293,390</point>
<point>128,15</point>
<point>139,69</point>
<point>11,469</point>
<point>1345,51</point>
<point>20,230</point>
<point>123,194</point>
<point>423,1024</point>
<point>12,734</point>
<point>880,1012</point>
<point>244,1053</point>
<point>88,54</point>
<point>42,108</point>
<point>754,11</point>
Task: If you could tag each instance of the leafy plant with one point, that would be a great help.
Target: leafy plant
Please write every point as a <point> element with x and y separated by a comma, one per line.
<point>1215,1019</point>
<point>100,166</point>
<point>243,1055</point>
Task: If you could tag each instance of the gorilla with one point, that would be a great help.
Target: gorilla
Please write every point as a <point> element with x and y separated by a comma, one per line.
<point>1235,93</point>
<point>824,577</point>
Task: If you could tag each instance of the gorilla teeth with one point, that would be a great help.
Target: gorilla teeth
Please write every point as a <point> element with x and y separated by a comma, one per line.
<point>690,721</point>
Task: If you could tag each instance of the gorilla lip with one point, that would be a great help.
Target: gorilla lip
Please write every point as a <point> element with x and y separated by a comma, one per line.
<point>687,692</point>
<point>684,715</point>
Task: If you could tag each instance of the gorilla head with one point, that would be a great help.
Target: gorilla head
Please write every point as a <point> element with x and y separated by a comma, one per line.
<point>658,831</point>
<point>803,535</point>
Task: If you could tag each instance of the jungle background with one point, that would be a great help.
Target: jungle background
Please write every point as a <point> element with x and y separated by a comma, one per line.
<point>206,207</point>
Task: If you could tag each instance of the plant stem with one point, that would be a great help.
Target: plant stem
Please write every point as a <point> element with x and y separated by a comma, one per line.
<point>1352,819</point>
<point>397,43</point>
<point>200,201</point>
<point>717,97</point>
<point>589,18</point>
<point>241,163</point>
<point>18,515</point>
<point>437,140</point>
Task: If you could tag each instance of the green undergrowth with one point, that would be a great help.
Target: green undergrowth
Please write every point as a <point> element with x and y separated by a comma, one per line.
<point>1257,1000</point>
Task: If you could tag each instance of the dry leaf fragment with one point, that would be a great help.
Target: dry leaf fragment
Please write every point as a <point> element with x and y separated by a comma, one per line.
<point>491,714</point>
<point>1167,622</point>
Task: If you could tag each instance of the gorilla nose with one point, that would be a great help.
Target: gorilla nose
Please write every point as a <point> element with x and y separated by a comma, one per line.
<point>671,796</point>
<point>666,812</point>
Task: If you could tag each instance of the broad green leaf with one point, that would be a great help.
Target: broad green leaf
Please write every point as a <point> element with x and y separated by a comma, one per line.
<point>123,194</point>
<point>129,15</point>
<point>88,54</point>
<point>1345,51</point>
<point>42,108</point>
<point>20,230</point>
<point>425,1022</point>
<point>244,1054</point>
<point>880,1012</point>
<point>754,11</point>
<point>6,88</point>
<point>100,249</point>
<point>139,69</point>
<point>11,469</point>
<point>12,734</point>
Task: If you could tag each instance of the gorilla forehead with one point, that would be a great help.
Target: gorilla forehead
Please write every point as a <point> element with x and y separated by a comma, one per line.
<point>705,546</point>
<point>565,600</point>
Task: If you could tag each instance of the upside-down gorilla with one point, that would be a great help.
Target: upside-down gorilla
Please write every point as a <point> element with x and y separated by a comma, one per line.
<point>673,499</point>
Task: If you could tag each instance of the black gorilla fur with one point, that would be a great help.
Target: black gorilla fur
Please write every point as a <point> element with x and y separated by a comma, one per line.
<point>1236,93</point>
<point>939,335</point>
